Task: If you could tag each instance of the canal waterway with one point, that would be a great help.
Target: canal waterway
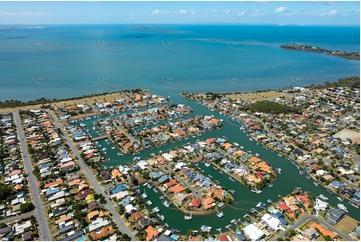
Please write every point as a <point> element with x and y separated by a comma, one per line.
<point>284,184</point>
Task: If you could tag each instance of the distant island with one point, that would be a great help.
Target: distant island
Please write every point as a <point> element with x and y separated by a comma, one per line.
<point>310,48</point>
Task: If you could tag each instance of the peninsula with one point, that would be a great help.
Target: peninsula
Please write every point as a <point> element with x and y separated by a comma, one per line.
<point>310,48</point>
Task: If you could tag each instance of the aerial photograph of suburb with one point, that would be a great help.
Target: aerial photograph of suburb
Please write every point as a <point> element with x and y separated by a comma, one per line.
<point>179,120</point>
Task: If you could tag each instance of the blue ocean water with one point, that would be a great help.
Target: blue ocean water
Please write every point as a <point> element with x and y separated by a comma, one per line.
<point>64,61</point>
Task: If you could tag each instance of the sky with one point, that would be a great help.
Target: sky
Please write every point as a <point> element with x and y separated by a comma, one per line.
<point>256,12</point>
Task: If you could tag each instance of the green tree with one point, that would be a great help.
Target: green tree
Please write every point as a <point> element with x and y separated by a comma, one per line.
<point>26,207</point>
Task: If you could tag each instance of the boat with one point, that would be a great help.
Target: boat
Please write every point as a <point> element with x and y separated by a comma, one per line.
<point>253,190</point>
<point>257,154</point>
<point>340,199</point>
<point>308,177</point>
<point>144,195</point>
<point>342,207</point>
<point>82,124</point>
<point>298,188</point>
<point>161,217</point>
<point>206,228</point>
<point>353,205</point>
<point>155,210</point>
<point>230,178</point>
<point>220,172</point>
<point>210,176</point>
<point>167,203</point>
<point>236,144</point>
<point>145,184</point>
<point>279,154</point>
<point>207,164</point>
<point>269,201</point>
<point>279,170</point>
<point>188,217</point>
<point>155,190</point>
<point>232,191</point>
<point>252,210</point>
<point>302,172</point>
<point>315,183</point>
<point>149,185</point>
<point>250,139</point>
<point>220,214</point>
<point>113,148</point>
<point>166,225</point>
<point>270,185</point>
<point>259,205</point>
<point>258,191</point>
<point>323,197</point>
<point>149,202</point>
<point>233,221</point>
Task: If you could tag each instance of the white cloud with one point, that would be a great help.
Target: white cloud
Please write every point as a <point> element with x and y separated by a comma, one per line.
<point>4,13</point>
<point>280,9</point>
<point>331,13</point>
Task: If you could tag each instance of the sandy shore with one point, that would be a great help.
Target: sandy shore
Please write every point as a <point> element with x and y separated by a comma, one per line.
<point>266,95</point>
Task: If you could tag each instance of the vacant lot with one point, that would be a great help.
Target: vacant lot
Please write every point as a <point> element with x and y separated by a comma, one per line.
<point>346,225</point>
<point>344,134</point>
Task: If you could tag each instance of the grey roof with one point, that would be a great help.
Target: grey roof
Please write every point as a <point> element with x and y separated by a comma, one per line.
<point>334,215</point>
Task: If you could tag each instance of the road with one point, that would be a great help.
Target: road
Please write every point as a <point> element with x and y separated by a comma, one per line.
<point>17,217</point>
<point>307,217</point>
<point>93,181</point>
<point>44,230</point>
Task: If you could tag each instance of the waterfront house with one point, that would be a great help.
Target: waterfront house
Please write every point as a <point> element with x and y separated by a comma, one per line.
<point>151,233</point>
<point>334,215</point>
<point>337,184</point>
<point>291,203</point>
<point>208,202</point>
<point>195,203</point>
<point>181,197</point>
<point>252,232</point>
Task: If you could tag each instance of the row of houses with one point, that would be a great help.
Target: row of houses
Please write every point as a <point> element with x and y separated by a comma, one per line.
<point>15,197</point>
<point>130,100</point>
<point>71,203</point>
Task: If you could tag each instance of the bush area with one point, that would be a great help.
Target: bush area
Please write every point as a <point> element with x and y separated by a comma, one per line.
<point>271,107</point>
<point>353,82</point>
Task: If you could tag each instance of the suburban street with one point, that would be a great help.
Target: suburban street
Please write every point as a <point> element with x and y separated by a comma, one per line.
<point>93,181</point>
<point>17,217</point>
<point>307,217</point>
<point>44,230</point>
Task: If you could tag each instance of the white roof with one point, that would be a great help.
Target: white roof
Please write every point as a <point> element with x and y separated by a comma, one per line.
<point>253,232</point>
<point>320,204</point>
<point>271,221</point>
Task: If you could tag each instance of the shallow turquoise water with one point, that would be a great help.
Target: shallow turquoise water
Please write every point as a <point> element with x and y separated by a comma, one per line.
<point>65,61</point>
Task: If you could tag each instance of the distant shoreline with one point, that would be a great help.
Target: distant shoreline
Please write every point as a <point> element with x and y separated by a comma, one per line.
<point>336,53</point>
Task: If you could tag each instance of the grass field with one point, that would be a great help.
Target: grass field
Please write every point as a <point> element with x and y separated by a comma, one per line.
<point>346,224</point>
